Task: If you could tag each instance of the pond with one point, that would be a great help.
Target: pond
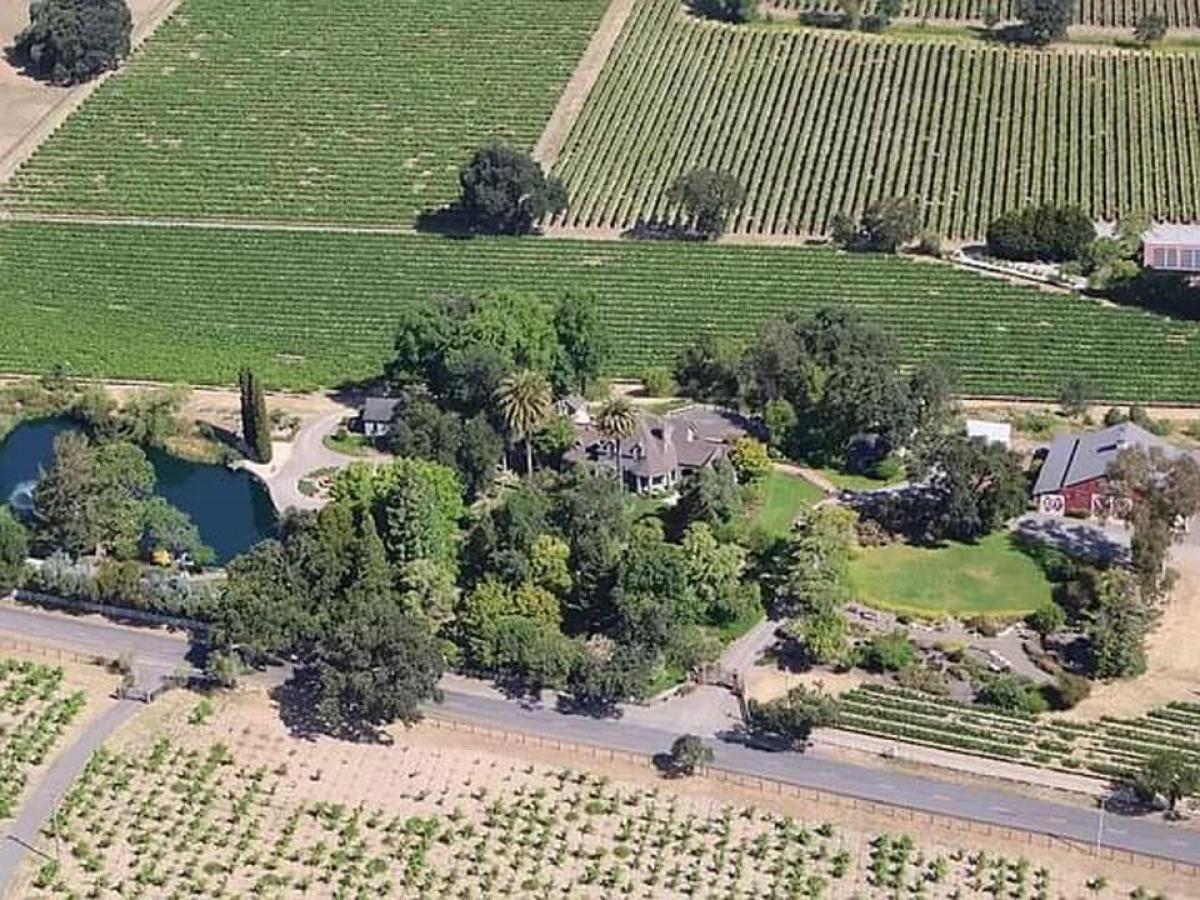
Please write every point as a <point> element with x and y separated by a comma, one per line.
<point>231,509</point>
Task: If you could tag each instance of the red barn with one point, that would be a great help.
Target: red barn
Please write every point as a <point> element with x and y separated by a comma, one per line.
<point>1073,479</point>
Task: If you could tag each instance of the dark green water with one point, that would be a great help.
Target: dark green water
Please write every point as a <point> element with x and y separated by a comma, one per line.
<point>231,509</point>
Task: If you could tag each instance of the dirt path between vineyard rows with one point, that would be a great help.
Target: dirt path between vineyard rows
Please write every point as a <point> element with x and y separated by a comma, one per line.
<point>579,88</point>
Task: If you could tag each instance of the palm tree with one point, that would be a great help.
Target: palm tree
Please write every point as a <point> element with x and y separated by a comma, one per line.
<point>524,399</point>
<point>617,420</point>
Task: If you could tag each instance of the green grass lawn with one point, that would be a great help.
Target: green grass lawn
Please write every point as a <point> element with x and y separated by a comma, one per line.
<point>848,481</point>
<point>348,444</point>
<point>784,496</point>
<point>993,577</point>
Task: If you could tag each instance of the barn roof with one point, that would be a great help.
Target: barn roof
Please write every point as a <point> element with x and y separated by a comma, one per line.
<point>1077,458</point>
<point>1172,233</point>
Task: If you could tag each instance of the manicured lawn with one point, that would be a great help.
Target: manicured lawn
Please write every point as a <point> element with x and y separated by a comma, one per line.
<point>993,577</point>
<point>784,496</point>
<point>348,444</point>
<point>849,481</point>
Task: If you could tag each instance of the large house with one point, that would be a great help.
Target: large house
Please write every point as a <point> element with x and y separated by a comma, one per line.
<point>1074,476</point>
<point>664,448</point>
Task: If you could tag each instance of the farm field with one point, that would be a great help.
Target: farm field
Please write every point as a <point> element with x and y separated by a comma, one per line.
<point>442,814</point>
<point>35,709</point>
<point>1110,747</point>
<point>992,577</point>
<point>311,309</point>
<point>358,110</point>
<point>1092,13</point>
<point>817,122</point>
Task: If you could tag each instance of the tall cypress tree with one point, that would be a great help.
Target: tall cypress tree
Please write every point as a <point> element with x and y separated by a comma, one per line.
<point>256,424</point>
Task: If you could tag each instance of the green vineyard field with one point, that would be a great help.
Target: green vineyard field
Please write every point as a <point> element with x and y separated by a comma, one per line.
<point>816,122</point>
<point>340,110</point>
<point>307,309</point>
<point>1091,13</point>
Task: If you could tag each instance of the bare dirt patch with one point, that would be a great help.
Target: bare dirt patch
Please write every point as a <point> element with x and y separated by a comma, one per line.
<point>443,813</point>
<point>1172,660</point>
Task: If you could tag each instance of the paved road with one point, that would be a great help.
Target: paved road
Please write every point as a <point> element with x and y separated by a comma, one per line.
<point>993,806</point>
<point>881,785</point>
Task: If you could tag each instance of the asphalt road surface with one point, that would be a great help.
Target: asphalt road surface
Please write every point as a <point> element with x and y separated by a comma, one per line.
<point>881,785</point>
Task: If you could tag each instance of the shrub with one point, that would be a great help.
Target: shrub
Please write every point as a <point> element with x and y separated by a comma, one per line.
<point>1011,694</point>
<point>1067,691</point>
<point>1047,619</point>
<point>889,652</point>
<point>1049,233</point>
<point>658,382</point>
<point>923,678</point>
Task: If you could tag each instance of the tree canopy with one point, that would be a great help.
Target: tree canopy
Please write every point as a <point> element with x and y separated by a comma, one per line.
<point>505,191</point>
<point>1047,233</point>
<point>708,198</point>
<point>1044,21</point>
<point>71,41</point>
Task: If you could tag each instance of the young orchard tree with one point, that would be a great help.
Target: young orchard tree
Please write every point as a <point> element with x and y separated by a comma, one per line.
<point>505,191</point>
<point>688,752</point>
<point>70,41</point>
<point>708,197</point>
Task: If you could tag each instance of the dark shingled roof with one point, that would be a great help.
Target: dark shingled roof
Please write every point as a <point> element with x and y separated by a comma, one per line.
<point>380,409</point>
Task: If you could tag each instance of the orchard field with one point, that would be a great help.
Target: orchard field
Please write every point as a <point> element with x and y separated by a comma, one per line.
<point>339,110</point>
<point>816,122</point>
<point>1090,13</point>
<point>310,309</point>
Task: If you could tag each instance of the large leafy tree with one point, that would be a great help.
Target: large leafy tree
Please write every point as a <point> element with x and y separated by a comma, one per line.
<point>583,341</point>
<point>324,595</point>
<point>71,41</point>
<point>14,548</point>
<point>1044,21</point>
<point>524,402</point>
<point>1117,622</point>
<point>840,376</point>
<point>505,191</point>
<point>92,497</point>
<point>735,11</point>
<point>708,197</point>
<point>1169,774</point>
<point>1162,492</point>
<point>980,486</point>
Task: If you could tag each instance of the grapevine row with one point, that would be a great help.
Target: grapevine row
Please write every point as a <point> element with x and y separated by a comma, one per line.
<point>814,123</point>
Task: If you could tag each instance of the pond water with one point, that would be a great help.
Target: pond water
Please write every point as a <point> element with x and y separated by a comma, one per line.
<point>231,509</point>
